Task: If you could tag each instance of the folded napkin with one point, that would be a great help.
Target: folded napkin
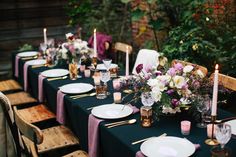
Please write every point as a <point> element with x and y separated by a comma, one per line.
<point>17,66</point>
<point>40,88</point>
<point>60,107</point>
<point>140,154</point>
<point>93,132</point>
<point>26,76</point>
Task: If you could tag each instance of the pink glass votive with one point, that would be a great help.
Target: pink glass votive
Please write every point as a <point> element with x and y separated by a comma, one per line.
<point>117,97</point>
<point>209,130</point>
<point>185,127</point>
<point>82,68</point>
<point>87,73</point>
<point>96,80</point>
<point>116,84</point>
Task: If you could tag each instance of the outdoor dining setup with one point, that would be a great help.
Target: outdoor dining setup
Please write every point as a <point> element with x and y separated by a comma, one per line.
<point>71,95</point>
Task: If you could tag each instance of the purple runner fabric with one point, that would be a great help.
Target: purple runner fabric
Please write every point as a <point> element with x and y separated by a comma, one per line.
<point>26,77</point>
<point>17,66</point>
<point>40,88</point>
<point>60,108</point>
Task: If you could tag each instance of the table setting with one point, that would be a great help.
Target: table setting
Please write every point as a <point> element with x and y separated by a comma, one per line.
<point>150,120</point>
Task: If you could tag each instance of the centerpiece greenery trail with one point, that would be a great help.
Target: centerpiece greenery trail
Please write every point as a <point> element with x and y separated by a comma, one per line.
<point>172,88</point>
<point>199,30</point>
<point>108,16</point>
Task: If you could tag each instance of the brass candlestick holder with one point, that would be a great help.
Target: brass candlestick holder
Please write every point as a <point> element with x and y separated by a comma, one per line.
<point>211,141</point>
<point>95,62</point>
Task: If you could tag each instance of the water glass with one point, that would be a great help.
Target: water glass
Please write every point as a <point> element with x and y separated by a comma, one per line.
<point>107,63</point>
<point>203,106</point>
<point>105,76</point>
<point>147,99</point>
<point>223,134</point>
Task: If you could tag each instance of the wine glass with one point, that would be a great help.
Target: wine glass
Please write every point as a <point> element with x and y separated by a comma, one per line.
<point>107,63</point>
<point>43,47</point>
<point>203,106</point>
<point>223,135</point>
<point>147,99</point>
<point>105,76</point>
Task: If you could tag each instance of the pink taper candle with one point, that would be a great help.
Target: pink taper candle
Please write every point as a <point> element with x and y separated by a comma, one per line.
<point>95,42</point>
<point>215,92</point>
<point>127,62</point>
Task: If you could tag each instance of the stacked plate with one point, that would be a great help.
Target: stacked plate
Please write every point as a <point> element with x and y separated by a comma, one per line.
<point>36,62</point>
<point>76,88</point>
<point>27,54</point>
<point>55,73</point>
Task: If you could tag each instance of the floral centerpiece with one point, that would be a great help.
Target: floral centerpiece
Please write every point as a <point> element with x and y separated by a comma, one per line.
<point>171,87</point>
<point>74,49</point>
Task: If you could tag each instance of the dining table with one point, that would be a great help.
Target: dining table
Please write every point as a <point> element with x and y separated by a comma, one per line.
<point>116,141</point>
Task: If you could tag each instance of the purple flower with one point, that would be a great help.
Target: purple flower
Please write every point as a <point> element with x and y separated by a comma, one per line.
<point>178,66</point>
<point>139,68</point>
<point>170,92</point>
<point>148,68</point>
<point>71,48</point>
<point>171,72</point>
<point>196,84</point>
<point>175,103</point>
<point>158,73</point>
<point>185,86</point>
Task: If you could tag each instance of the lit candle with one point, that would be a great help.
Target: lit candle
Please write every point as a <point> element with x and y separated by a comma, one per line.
<point>116,84</point>
<point>117,97</point>
<point>215,92</point>
<point>127,62</point>
<point>95,42</point>
<point>87,73</point>
<point>96,80</point>
<point>45,35</point>
<point>185,127</point>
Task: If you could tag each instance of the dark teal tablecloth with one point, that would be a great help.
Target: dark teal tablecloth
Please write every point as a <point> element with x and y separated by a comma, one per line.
<point>115,142</point>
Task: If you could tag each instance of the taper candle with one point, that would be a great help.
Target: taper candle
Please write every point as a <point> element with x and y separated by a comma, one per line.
<point>45,35</point>
<point>215,92</point>
<point>95,42</point>
<point>127,62</point>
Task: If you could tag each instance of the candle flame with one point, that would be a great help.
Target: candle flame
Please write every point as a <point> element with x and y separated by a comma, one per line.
<point>45,29</point>
<point>127,48</point>
<point>94,30</point>
<point>216,67</point>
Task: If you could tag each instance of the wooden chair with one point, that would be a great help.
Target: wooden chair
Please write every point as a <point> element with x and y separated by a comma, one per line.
<point>33,114</point>
<point>227,81</point>
<point>202,68</point>
<point>37,141</point>
<point>120,58</point>
<point>9,85</point>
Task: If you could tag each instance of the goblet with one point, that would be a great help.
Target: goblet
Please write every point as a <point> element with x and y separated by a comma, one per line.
<point>105,76</point>
<point>147,99</point>
<point>107,63</point>
<point>203,106</point>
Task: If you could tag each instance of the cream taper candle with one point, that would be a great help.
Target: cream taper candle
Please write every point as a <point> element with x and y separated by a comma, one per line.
<point>127,62</point>
<point>95,42</point>
<point>215,92</point>
<point>45,35</point>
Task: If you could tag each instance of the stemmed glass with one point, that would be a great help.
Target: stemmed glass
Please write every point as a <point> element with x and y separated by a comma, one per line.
<point>107,63</point>
<point>147,99</point>
<point>203,106</point>
<point>105,76</point>
<point>43,47</point>
<point>223,135</point>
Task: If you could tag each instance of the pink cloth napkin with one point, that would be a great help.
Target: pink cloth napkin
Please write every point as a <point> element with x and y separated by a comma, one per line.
<point>60,107</point>
<point>26,76</point>
<point>40,88</point>
<point>140,154</point>
<point>17,66</point>
<point>93,132</point>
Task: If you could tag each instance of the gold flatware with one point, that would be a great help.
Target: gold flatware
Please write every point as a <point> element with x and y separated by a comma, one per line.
<point>82,95</point>
<point>128,91</point>
<point>145,139</point>
<point>38,66</point>
<point>225,120</point>
<point>123,121</point>
<point>26,58</point>
<point>131,121</point>
<point>57,78</point>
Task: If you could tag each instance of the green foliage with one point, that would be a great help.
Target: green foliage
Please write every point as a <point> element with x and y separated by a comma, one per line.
<point>25,47</point>
<point>107,16</point>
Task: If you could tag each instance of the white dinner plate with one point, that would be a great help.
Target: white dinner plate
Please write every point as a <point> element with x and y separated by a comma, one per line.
<point>27,54</point>
<point>36,62</point>
<point>168,146</point>
<point>102,66</point>
<point>76,88</point>
<point>55,73</point>
<point>112,111</point>
<point>232,123</point>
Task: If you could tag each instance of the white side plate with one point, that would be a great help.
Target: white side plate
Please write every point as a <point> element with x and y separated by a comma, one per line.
<point>36,62</point>
<point>27,54</point>
<point>55,73</point>
<point>76,88</point>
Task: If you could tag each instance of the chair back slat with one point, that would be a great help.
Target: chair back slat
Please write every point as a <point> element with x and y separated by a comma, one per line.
<point>202,68</point>
<point>123,47</point>
<point>30,131</point>
<point>227,81</point>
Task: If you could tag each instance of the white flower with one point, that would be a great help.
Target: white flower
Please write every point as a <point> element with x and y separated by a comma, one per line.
<point>152,82</point>
<point>64,54</point>
<point>179,81</point>
<point>188,69</point>
<point>170,110</point>
<point>69,35</point>
<point>207,19</point>
<point>164,78</point>
<point>200,73</point>
<point>156,94</point>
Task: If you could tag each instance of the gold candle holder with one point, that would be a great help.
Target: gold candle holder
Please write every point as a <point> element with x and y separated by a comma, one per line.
<point>95,62</point>
<point>211,141</point>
